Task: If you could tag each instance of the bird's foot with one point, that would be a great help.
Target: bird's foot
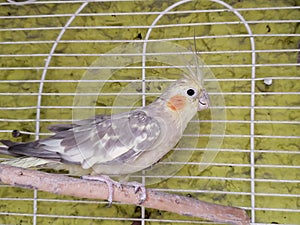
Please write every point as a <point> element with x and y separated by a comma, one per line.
<point>139,187</point>
<point>109,182</point>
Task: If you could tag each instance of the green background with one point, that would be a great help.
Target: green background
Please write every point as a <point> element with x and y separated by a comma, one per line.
<point>275,158</point>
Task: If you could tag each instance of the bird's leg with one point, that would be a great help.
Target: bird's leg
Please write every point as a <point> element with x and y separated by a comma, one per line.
<point>109,182</point>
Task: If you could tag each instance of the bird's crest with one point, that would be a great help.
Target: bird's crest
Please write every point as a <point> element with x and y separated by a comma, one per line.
<point>194,69</point>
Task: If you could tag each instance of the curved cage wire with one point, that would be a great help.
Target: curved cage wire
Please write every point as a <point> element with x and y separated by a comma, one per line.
<point>251,48</point>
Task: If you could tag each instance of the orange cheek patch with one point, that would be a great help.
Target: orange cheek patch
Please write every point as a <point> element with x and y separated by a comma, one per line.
<point>177,102</point>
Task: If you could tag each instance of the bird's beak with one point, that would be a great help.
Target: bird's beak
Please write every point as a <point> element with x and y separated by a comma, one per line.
<point>203,102</point>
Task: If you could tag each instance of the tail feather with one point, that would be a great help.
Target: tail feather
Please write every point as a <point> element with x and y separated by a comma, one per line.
<point>26,162</point>
<point>9,143</point>
<point>28,155</point>
<point>4,151</point>
<point>31,149</point>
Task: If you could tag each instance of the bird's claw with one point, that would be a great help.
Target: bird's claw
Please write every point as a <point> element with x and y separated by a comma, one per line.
<point>139,187</point>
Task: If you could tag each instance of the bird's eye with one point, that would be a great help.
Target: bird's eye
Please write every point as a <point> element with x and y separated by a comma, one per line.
<point>190,92</point>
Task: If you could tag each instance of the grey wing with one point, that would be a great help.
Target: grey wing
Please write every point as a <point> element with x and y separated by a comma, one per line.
<point>117,138</point>
<point>64,127</point>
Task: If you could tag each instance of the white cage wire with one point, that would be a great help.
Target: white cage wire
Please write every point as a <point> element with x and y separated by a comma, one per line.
<point>252,47</point>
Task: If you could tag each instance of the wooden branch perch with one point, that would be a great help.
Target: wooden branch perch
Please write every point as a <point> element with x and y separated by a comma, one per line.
<point>64,185</point>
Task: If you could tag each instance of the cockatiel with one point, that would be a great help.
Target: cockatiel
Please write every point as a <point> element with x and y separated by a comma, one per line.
<point>121,143</point>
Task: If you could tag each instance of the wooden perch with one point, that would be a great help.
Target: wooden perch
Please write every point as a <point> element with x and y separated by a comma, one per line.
<point>64,185</point>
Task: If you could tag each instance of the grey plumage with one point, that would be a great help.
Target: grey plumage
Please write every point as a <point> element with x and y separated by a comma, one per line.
<point>121,143</point>
<point>83,141</point>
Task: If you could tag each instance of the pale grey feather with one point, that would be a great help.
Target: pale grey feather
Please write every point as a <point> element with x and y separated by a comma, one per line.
<point>100,140</point>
